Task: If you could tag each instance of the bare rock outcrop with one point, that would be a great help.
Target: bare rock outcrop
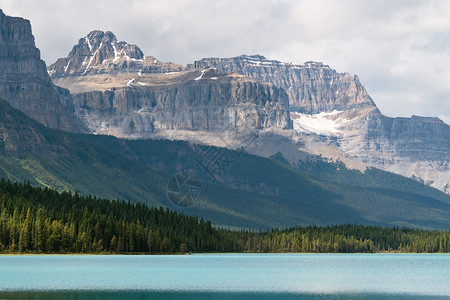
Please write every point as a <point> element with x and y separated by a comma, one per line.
<point>218,102</point>
<point>119,91</point>
<point>312,87</point>
<point>24,81</point>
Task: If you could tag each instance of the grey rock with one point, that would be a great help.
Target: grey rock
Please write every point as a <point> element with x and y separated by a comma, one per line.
<point>119,91</point>
<point>312,87</point>
<point>418,138</point>
<point>24,81</point>
<point>100,53</point>
<point>216,102</point>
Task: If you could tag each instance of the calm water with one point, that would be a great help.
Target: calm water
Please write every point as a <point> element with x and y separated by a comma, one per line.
<point>225,276</point>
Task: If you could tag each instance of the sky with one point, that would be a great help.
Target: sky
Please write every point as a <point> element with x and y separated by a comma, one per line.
<point>400,49</point>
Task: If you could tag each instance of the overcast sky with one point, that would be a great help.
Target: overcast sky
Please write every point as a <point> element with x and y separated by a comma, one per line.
<point>400,49</point>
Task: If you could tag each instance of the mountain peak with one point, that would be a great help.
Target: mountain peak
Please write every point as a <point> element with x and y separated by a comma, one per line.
<point>100,52</point>
<point>106,43</point>
<point>97,37</point>
<point>96,51</point>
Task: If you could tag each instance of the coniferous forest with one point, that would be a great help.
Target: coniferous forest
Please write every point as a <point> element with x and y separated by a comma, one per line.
<point>42,220</point>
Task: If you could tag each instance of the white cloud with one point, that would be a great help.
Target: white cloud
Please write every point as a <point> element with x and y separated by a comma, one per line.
<point>399,49</point>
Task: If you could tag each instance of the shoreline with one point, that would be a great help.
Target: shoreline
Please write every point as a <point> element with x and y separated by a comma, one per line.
<point>207,253</point>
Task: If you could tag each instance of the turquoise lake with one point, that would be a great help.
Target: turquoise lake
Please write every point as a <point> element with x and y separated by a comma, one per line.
<point>226,276</point>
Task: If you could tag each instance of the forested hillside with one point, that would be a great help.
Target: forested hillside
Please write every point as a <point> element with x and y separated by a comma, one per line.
<point>46,221</point>
<point>37,220</point>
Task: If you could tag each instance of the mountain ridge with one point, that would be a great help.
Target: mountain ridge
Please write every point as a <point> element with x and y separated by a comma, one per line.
<point>120,93</point>
<point>417,147</point>
<point>342,91</point>
<point>325,107</point>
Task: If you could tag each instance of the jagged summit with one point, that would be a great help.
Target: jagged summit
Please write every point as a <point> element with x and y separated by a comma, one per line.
<point>105,47</point>
<point>101,53</point>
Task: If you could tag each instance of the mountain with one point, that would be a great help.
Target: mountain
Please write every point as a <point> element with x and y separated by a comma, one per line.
<point>312,87</point>
<point>246,191</point>
<point>228,186</point>
<point>118,91</point>
<point>100,53</point>
<point>294,109</point>
<point>237,189</point>
<point>336,106</point>
<point>24,81</point>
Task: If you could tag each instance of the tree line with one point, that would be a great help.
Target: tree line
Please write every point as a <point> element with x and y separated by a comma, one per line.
<point>42,220</point>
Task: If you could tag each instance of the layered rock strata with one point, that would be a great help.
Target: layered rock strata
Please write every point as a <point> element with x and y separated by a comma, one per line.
<point>337,107</point>
<point>119,91</point>
<point>24,81</point>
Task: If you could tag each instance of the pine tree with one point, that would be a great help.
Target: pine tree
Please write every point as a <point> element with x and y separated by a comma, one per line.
<point>114,242</point>
<point>183,248</point>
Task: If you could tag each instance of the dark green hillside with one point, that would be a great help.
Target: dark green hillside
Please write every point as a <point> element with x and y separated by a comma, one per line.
<point>36,220</point>
<point>314,191</point>
<point>247,191</point>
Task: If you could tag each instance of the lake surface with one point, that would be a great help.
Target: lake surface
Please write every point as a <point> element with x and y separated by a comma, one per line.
<point>226,276</point>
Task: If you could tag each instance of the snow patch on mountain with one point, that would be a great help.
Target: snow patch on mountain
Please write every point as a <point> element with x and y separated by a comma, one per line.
<point>201,76</point>
<point>130,82</point>
<point>322,123</point>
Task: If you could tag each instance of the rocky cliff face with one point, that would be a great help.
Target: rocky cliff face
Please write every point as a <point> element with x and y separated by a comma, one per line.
<point>24,81</point>
<point>417,138</point>
<point>337,107</point>
<point>100,53</point>
<point>416,147</point>
<point>118,91</point>
<point>312,87</point>
<point>204,100</point>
